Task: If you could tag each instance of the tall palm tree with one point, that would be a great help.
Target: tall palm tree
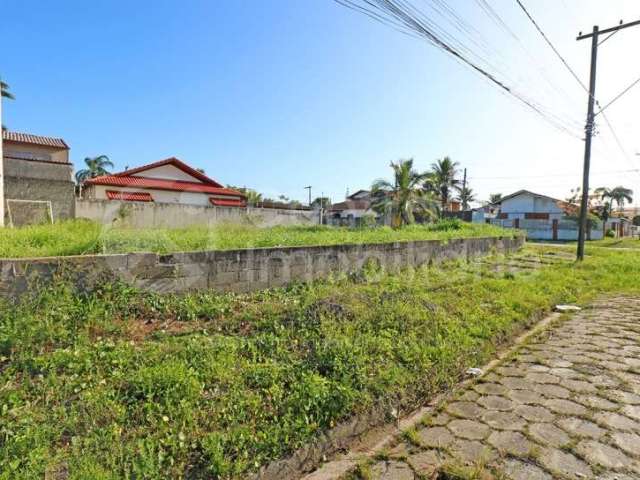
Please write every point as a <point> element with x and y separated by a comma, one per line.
<point>442,180</point>
<point>5,93</point>
<point>403,198</point>
<point>621,195</point>
<point>96,166</point>
<point>466,196</point>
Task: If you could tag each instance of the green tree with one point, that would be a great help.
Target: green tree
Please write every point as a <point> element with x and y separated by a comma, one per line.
<point>402,198</point>
<point>96,166</point>
<point>442,180</point>
<point>253,197</point>
<point>5,93</point>
<point>620,195</point>
<point>466,196</point>
<point>604,210</point>
<point>495,197</point>
<point>325,202</point>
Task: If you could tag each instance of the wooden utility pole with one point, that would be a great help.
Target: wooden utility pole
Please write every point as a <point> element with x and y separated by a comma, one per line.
<point>584,203</point>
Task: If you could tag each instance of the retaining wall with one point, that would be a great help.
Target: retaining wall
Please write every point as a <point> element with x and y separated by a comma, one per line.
<point>238,270</point>
<point>173,215</point>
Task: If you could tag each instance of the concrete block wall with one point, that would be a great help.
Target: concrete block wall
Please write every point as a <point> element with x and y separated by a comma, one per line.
<point>36,180</point>
<point>172,215</point>
<point>238,270</point>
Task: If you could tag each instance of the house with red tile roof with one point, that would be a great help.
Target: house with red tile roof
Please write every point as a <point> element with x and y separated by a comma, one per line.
<point>166,181</point>
<point>38,179</point>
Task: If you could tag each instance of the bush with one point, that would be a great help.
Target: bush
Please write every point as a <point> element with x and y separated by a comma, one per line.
<point>611,233</point>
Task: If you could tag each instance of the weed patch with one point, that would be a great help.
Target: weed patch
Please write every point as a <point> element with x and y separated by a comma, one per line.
<point>249,378</point>
<point>80,237</point>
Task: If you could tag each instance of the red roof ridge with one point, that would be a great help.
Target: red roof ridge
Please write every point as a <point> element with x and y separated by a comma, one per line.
<point>29,138</point>
<point>176,162</point>
<point>162,184</point>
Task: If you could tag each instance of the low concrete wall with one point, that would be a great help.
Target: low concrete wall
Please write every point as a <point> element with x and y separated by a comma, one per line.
<point>148,215</point>
<point>238,270</point>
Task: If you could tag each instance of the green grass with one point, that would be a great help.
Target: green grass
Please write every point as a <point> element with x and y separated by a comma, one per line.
<point>123,384</point>
<point>625,242</point>
<point>80,237</point>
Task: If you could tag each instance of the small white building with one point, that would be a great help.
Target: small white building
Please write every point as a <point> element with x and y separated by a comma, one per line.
<point>351,211</point>
<point>541,216</point>
<point>166,181</point>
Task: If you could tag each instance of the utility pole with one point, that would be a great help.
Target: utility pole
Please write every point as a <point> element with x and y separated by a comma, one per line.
<point>584,203</point>
<point>582,229</point>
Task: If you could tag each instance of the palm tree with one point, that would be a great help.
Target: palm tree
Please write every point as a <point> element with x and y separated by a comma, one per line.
<point>403,198</point>
<point>442,180</point>
<point>96,167</point>
<point>253,197</point>
<point>5,93</point>
<point>495,197</point>
<point>466,196</point>
<point>606,197</point>
<point>620,195</point>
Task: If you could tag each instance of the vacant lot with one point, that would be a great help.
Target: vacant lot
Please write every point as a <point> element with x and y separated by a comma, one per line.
<point>121,384</point>
<point>626,242</point>
<point>83,237</point>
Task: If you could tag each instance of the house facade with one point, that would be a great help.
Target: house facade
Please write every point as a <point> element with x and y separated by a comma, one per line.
<point>167,181</point>
<point>541,216</point>
<point>351,211</point>
<point>38,177</point>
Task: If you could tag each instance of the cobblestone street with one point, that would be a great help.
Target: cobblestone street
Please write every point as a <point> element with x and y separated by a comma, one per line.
<point>566,405</point>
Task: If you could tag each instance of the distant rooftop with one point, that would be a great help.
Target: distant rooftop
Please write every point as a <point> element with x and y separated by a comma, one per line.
<point>27,138</point>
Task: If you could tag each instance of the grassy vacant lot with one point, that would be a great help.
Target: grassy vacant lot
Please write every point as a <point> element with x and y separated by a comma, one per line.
<point>121,384</point>
<point>625,242</point>
<point>82,237</point>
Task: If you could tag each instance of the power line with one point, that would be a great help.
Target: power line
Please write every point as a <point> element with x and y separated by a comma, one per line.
<point>555,50</point>
<point>618,96</point>
<point>573,73</point>
<point>497,19</point>
<point>402,12</point>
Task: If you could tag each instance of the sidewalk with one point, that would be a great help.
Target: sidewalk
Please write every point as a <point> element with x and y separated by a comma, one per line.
<point>566,405</point>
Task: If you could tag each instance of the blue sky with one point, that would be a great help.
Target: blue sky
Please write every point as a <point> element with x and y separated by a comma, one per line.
<point>280,94</point>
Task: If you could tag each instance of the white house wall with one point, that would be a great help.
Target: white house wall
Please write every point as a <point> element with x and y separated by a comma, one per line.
<point>167,172</point>
<point>159,196</point>
<point>527,203</point>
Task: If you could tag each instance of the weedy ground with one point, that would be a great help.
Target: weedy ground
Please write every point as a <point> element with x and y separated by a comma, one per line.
<point>123,384</point>
<point>78,237</point>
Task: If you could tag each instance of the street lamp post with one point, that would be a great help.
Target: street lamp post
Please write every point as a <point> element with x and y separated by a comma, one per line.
<point>309,188</point>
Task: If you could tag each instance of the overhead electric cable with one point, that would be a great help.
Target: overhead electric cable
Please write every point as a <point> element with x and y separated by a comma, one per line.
<point>403,12</point>
<point>618,96</point>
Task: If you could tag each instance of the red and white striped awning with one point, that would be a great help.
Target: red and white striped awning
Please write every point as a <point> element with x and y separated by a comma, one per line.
<point>129,196</point>
<point>227,202</point>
